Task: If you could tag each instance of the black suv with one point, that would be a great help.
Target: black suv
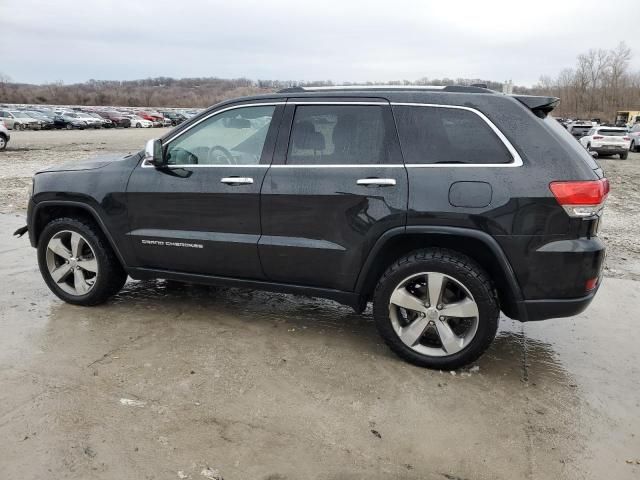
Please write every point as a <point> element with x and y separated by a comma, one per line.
<point>441,205</point>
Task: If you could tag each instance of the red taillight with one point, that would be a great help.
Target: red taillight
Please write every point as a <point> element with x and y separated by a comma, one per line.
<point>597,137</point>
<point>581,198</point>
<point>626,138</point>
<point>590,284</point>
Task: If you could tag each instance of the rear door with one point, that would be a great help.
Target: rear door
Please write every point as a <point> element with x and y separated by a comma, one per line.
<point>201,214</point>
<point>337,183</point>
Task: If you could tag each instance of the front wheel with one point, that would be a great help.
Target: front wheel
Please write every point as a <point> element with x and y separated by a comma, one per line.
<point>69,126</point>
<point>436,308</point>
<point>77,262</point>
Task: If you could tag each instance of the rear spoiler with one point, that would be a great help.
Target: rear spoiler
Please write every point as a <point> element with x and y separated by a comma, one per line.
<point>540,106</point>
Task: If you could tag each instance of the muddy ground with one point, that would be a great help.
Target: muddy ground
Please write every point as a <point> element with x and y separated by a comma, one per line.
<point>168,382</point>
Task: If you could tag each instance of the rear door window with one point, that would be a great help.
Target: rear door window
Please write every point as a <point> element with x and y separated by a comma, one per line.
<point>440,135</point>
<point>340,135</point>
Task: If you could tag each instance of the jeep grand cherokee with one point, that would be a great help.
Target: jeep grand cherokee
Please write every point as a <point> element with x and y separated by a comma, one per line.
<point>442,205</point>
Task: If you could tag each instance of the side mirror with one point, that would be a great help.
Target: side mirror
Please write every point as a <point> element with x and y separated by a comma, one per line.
<point>153,153</point>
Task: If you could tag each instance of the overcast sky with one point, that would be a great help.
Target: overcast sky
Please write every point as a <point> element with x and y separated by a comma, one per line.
<point>76,40</point>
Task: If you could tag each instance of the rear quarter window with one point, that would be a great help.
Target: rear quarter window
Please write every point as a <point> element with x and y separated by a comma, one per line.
<point>437,135</point>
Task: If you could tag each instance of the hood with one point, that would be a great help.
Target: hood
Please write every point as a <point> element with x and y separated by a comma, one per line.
<point>89,164</point>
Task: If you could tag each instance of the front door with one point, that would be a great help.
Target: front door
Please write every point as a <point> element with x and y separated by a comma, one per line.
<point>337,183</point>
<point>201,213</point>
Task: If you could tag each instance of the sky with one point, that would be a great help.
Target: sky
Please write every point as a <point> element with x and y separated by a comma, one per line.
<point>355,41</point>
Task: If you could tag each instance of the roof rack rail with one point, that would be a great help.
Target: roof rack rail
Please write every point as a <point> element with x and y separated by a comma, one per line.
<point>445,88</point>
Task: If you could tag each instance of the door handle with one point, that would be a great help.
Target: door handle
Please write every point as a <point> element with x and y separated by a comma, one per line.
<point>237,180</point>
<point>377,182</point>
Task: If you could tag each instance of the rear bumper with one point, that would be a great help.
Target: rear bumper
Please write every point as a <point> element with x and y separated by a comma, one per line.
<point>545,309</point>
<point>609,150</point>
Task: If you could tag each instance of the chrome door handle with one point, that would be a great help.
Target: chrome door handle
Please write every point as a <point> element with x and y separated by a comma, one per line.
<point>237,180</point>
<point>379,182</point>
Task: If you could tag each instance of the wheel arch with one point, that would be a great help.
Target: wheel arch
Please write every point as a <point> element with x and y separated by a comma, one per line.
<point>479,246</point>
<point>46,211</point>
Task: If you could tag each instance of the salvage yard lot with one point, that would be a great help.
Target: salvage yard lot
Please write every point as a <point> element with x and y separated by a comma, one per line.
<point>165,381</point>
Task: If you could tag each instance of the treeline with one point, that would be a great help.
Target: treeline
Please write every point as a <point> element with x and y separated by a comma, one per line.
<point>599,85</point>
<point>169,92</point>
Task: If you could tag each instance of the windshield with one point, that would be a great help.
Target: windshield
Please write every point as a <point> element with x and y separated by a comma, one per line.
<point>20,115</point>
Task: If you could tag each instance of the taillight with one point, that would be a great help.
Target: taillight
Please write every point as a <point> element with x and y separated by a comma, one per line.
<point>581,199</point>
<point>597,137</point>
<point>626,138</point>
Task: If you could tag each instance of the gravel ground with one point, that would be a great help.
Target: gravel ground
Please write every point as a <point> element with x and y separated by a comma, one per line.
<point>29,152</point>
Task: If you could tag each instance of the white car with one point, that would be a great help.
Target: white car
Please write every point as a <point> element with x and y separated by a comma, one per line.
<point>140,122</point>
<point>607,141</point>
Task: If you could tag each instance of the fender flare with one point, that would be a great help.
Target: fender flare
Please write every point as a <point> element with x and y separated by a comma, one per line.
<point>515,292</point>
<point>69,203</point>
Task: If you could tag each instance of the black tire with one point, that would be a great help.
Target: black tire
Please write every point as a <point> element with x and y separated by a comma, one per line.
<point>138,125</point>
<point>18,126</point>
<point>623,156</point>
<point>464,270</point>
<point>111,276</point>
<point>69,126</point>
<point>632,147</point>
<point>3,143</point>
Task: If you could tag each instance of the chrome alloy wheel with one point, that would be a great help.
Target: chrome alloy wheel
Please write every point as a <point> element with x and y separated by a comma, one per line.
<point>72,262</point>
<point>433,314</point>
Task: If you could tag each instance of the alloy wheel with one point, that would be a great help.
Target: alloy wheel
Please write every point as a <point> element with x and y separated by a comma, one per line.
<point>433,314</point>
<point>3,142</point>
<point>72,262</point>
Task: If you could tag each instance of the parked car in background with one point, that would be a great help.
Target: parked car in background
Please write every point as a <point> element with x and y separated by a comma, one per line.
<point>634,135</point>
<point>175,117</point>
<point>105,122</point>
<point>16,120</point>
<point>118,119</point>
<point>607,141</point>
<point>579,129</point>
<point>139,122</point>
<point>69,121</point>
<point>4,135</point>
<point>45,122</point>
<point>92,122</point>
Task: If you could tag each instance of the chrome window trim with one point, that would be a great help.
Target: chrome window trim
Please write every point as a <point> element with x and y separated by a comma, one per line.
<point>517,160</point>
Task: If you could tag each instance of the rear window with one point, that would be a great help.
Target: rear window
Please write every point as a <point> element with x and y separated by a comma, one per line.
<point>432,135</point>
<point>612,133</point>
<point>569,142</point>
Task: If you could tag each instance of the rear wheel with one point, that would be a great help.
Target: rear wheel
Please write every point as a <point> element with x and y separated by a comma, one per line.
<point>69,126</point>
<point>3,141</point>
<point>435,308</point>
<point>77,262</point>
<point>623,156</point>
<point>632,147</point>
<point>18,126</point>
